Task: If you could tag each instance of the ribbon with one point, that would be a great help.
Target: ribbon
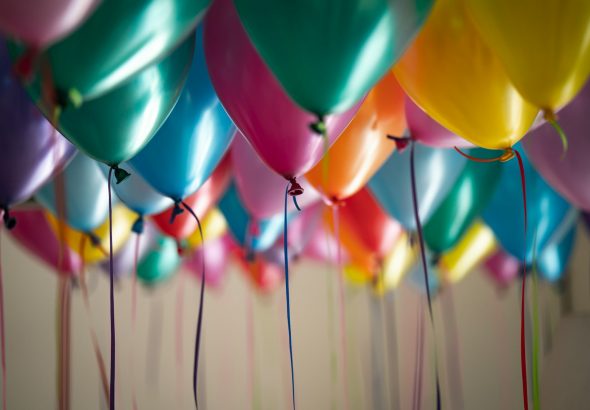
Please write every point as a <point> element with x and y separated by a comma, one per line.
<point>112,296</point>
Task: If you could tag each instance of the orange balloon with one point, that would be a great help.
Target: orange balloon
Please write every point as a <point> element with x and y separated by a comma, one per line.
<point>363,147</point>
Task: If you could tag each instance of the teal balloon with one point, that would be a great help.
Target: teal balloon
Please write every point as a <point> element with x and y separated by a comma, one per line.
<point>437,169</point>
<point>257,238</point>
<point>159,263</point>
<point>86,194</point>
<point>192,141</point>
<point>115,126</point>
<point>328,54</point>
<point>547,211</point>
<point>119,39</point>
<point>553,261</point>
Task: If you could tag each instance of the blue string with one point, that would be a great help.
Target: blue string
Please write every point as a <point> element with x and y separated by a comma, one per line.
<point>112,296</point>
<point>286,253</point>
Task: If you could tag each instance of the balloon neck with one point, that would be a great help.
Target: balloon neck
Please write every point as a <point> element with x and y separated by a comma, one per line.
<point>507,155</point>
<point>9,221</point>
<point>401,143</point>
<point>138,225</point>
<point>26,63</point>
<point>176,210</point>
<point>295,189</point>
<point>549,115</point>
<point>94,239</point>
<point>120,174</point>
<point>319,126</point>
<point>435,259</point>
<point>180,247</point>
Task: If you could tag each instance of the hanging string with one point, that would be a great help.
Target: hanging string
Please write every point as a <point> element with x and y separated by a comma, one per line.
<point>64,342</point>
<point>251,351</point>
<point>453,350</point>
<point>536,395</point>
<point>2,334</point>
<point>551,118</point>
<point>134,309</point>
<point>385,345</point>
<point>419,359</point>
<point>111,295</point>
<point>178,335</point>
<point>330,299</point>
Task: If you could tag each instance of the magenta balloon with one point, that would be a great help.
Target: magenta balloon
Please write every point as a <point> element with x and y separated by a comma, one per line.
<point>217,257</point>
<point>502,267</point>
<point>34,233</point>
<point>429,132</point>
<point>276,127</point>
<point>42,22</point>
<point>569,175</point>
<point>261,189</point>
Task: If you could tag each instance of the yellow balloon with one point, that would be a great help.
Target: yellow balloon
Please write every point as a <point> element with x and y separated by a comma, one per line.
<point>396,264</point>
<point>475,246</point>
<point>543,44</point>
<point>123,220</point>
<point>456,78</point>
<point>356,275</point>
<point>214,225</point>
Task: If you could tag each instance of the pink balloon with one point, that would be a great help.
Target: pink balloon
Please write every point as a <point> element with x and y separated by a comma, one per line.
<point>568,175</point>
<point>502,267</point>
<point>217,254</point>
<point>429,132</point>
<point>42,22</point>
<point>261,189</point>
<point>277,128</point>
<point>34,233</point>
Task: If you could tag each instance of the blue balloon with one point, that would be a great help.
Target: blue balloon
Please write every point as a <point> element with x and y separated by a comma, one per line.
<point>86,196</point>
<point>546,210</point>
<point>189,145</point>
<point>436,172</point>
<point>259,238</point>
<point>553,260</point>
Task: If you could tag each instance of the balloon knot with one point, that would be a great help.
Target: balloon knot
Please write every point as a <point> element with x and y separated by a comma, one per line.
<point>94,239</point>
<point>9,221</point>
<point>435,259</point>
<point>549,115</point>
<point>25,64</point>
<point>507,155</point>
<point>138,225</point>
<point>319,127</point>
<point>176,210</point>
<point>401,143</point>
<point>180,247</point>
<point>295,189</point>
<point>120,174</point>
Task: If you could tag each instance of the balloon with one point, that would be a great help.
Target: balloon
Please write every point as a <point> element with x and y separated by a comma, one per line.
<point>261,189</point>
<point>251,234</point>
<point>192,141</point>
<point>322,247</point>
<point>548,213</point>
<point>327,59</point>
<point>160,263</point>
<point>363,147</point>
<point>205,198</point>
<point>40,23</point>
<point>502,267</point>
<point>85,194</point>
<point>34,233</point>
<point>216,261</point>
<point>214,227</point>
<point>275,126</point>
<point>30,149</point>
<point>426,131</point>
<point>542,44</point>
<point>436,172</point>
<point>566,172</point>
<point>465,201</point>
<point>356,275</point>
<point>264,276</point>
<point>122,221</point>
<point>475,246</point>
<point>452,75</point>
<point>114,127</point>
<point>396,265</point>
<point>554,259</point>
<point>415,276</point>
<point>120,39</point>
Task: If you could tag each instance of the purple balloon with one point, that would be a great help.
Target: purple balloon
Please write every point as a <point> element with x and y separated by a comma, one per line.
<point>217,256</point>
<point>568,175</point>
<point>30,149</point>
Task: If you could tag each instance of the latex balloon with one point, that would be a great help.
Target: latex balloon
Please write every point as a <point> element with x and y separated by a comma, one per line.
<point>548,212</point>
<point>114,127</point>
<point>119,40</point>
<point>542,44</point>
<point>566,172</point>
<point>214,227</point>
<point>192,141</point>
<point>261,189</point>
<point>502,267</point>
<point>321,57</point>
<point>473,248</point>
<point>160,263</point>
<point>122,221</point>
<point>42,23</point>
<point>34,233</point>
<point>427,131</point>
<point>465,201</point>
<point>363,147</point>
<point>397,264</point>
<point>85,194</point>
<point>216,261</point>
<point>275,126</point>
<point>436,172</point>
<point>356,275</point>
<point>451,73</point>
<point>30,149</point>
<point>201,202</point>
<point>264,276</point>
<point>554,259</point>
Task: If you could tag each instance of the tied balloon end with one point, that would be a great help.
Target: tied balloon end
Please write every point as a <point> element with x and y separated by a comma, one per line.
<point>138,225</point>
<point>94,239</point>
<point>506,156</point>
<point>176,210</point>
<point>295,189</point>
<point>319,126</point>
<point>551,118</point>
<point>401,143</point>
<point>9,221</point>
<point>24,66</point>
<point>120,174</point>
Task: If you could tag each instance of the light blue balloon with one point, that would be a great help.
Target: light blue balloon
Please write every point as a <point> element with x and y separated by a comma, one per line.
<point>239,221</point>
<point>160,263</point>
<point>192,141</point>
<point>554,258</point>
<point>546,210</point>
<point>436,172</point>
<point>86,194</point>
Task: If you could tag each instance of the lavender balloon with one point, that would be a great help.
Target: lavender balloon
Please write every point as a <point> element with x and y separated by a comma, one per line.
<point>217,257</point>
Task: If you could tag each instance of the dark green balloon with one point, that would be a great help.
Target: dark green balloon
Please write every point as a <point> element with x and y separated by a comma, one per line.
<point>465,202</point>
<point>328,54</point>
<point>119,39</point>
<point>160,263</point>
<point>114,127</point>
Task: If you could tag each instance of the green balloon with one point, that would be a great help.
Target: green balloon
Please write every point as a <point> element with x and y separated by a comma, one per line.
<point>119,39</point>
<point>465,202</point>
<point>114,127</point>
<point>160,263</point>
<point>328,54</point>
